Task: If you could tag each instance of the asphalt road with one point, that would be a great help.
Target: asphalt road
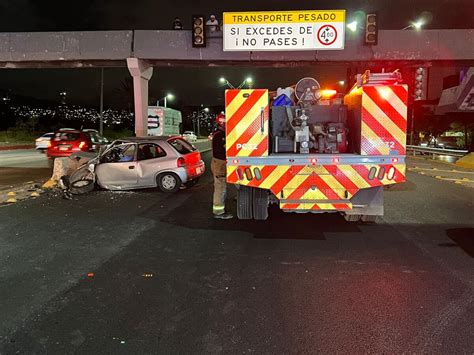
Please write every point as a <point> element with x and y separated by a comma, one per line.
<point>146,272</point>
<point>22,165</point>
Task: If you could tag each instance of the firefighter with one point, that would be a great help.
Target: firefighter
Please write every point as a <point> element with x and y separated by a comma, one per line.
<point>218,168</point>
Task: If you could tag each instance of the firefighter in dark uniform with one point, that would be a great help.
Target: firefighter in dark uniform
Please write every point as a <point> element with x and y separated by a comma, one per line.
<point>218,168</point>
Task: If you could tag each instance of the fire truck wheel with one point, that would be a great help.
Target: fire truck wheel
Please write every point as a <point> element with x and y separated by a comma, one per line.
<point>352,217</point>
<point>369,219</point>
<point>260,204</point>
<point>244,202</point>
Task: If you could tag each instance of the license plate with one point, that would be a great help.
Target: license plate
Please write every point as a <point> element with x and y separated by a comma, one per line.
<point>63,148</point>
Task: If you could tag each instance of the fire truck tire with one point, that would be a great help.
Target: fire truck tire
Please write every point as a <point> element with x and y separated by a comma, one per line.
<point>352,217</point>
<point>369,218</point>
<point>260,204</point>
<point>244,202</point>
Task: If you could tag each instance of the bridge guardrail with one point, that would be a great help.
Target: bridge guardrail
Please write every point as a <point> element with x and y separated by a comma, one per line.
<point>436,151</point>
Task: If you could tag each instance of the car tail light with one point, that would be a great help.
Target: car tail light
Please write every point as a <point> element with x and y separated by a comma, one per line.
<point>181,162</point>
<point>82,145</point>
<point>49,143</point>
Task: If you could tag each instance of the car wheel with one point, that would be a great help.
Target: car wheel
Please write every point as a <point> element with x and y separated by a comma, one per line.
<point>80,187</point>
<point>168,182</point>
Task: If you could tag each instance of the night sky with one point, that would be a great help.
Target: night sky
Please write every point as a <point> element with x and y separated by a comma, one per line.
<point>80,84</point>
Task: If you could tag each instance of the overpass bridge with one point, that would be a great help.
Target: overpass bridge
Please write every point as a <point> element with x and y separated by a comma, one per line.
<point>141,50</point>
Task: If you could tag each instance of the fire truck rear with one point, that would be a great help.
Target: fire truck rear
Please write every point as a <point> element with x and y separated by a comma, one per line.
<point>321,153</point>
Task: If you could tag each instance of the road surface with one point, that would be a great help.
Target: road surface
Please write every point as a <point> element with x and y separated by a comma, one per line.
<point>21,166</point>
<point>147,272</point>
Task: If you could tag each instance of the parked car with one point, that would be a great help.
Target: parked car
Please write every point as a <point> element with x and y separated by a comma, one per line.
<point>65,142</point>
<point>446,142</point>
<point>166,162</point>
<point>190,136</point>
<point>41,143</point>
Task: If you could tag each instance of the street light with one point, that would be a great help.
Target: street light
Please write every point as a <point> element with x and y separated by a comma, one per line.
<point>416,25</point>
<point>167,97</point>
<point>226,82</point>
<point>206,109</point>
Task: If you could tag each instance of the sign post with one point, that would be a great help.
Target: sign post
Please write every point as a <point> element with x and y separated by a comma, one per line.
<point>284,30</point>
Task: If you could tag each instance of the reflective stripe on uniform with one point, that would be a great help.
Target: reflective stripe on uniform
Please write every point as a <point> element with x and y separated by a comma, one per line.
<point>218,209</point>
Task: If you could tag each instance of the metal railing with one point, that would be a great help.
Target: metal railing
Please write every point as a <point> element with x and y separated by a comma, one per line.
<point>436,151</point>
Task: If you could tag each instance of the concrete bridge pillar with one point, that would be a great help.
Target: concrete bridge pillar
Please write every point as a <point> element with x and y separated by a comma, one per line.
<point>141,73</point>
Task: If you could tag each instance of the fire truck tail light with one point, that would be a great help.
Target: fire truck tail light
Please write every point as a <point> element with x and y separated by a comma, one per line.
<point>240,174</point>
<point>335,160</point>
<point>313,161</point>
<point>235,161</point>
<point>394,160</point>
<point>258,174</point>
<point>248,174</point>
<point>381,173</point>
<point>372,172</point>
<point>391,173</point>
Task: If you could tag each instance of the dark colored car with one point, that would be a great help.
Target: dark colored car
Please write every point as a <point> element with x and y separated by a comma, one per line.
<point>66,142</point>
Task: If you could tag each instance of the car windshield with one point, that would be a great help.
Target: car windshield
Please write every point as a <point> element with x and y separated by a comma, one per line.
<point>66,136</point>
<point>181,146</point>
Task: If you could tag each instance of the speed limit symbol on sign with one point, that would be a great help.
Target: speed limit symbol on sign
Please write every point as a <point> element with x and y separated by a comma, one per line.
<point>327,35</point>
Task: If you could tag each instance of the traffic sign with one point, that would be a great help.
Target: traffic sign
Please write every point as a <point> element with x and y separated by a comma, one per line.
<point>284,30</point>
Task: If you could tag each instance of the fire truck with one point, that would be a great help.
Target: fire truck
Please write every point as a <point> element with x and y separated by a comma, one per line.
<point>321,153</point>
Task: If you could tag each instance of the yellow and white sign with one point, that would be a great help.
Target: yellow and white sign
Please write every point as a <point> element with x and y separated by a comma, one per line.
<point>284,30</point>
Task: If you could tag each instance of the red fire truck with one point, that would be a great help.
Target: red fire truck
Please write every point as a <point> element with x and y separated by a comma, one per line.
<point>321,153</point>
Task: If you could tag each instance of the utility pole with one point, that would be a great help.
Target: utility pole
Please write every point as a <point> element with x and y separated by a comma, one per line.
<point>101,124</point>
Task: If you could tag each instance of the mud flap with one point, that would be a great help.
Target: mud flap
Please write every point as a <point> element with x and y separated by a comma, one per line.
<point>367,202</point>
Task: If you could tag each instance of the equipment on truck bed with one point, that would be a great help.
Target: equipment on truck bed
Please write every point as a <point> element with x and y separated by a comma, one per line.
<point>327,153</point>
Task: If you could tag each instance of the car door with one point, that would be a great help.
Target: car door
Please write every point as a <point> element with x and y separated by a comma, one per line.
<point>118,167</point>
<point>150,159</point>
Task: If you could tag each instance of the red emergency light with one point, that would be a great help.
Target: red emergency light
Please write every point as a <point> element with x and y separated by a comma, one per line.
<point>328,93</point>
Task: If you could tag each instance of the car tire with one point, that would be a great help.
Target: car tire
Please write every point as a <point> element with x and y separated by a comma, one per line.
<point>168,182</point>
<point>81,186</point>
<point>260,204</point>
<point>244,202</point>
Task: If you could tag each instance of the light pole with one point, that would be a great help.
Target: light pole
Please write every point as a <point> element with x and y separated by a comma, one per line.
<point>226,82</point>
<point>166,98</point>
<point>101,124</point>
<point>248,81</point>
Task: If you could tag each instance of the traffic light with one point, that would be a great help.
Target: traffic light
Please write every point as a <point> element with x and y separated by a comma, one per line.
<point>199,31</point>
<point>420,84</point>
<point>371,29</point>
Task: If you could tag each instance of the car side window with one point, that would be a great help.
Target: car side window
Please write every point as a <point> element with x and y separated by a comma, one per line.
<point>150,151</point>
<point>120,153</point>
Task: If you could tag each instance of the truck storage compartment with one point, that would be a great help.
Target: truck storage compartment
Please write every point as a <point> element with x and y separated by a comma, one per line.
<point>315,129</point>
